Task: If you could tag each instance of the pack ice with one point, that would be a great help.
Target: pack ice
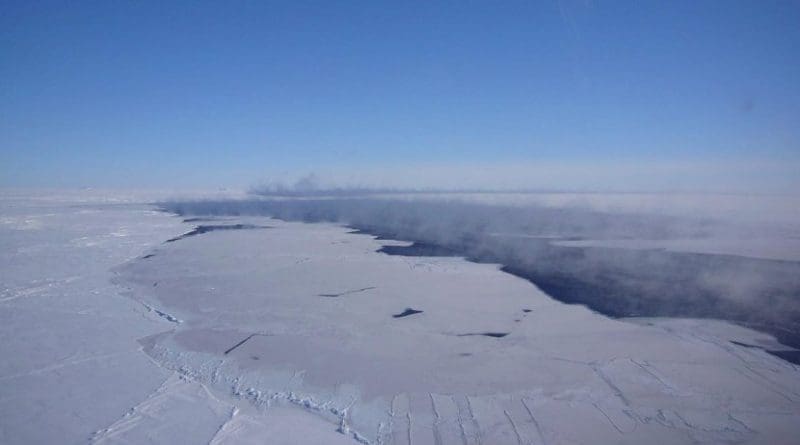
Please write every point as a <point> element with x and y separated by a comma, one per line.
<point>257,330</point>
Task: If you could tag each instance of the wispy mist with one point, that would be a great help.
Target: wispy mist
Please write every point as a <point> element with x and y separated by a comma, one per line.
<point>743,175</point>
<point>524,238</point>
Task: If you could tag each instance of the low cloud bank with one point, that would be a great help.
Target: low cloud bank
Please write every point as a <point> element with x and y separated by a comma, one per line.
<point>742,175</point>
<point>761,293</point>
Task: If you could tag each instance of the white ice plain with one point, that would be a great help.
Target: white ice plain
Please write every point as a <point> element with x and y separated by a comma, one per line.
<point>288,334</point>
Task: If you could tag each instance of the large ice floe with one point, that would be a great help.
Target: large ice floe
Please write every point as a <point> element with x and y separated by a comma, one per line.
<point>258,330</point>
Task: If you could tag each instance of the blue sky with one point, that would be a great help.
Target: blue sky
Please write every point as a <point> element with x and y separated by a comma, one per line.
<point>116,94</point>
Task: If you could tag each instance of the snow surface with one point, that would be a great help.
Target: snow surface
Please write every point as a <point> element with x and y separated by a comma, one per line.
<point>286,335</point>
<point>72,368</point>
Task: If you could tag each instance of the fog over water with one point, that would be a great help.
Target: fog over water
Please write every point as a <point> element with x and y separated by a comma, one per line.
<point>559,247</point>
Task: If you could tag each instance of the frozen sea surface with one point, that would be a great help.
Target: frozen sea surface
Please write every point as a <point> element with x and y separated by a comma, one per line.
<point>290,334</point>
<point>620,263</point>
<point>73,369</point>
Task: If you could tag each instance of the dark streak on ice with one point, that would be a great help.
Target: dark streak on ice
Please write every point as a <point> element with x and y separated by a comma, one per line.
<point>163,315</point>
<point>486,334</point>
<point>346,292</point>
<point>744,344</point>
<point>150,255</point>
<point>243,342</point>
<point>407,312</point>
<point>189,220</point>
<point>199,230</point>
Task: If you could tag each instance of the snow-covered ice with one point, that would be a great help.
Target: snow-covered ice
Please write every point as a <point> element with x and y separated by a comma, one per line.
<point>287,334</point>
<point>72,368</point>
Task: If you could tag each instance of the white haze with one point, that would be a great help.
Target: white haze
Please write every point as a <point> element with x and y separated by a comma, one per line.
<point>706,255</point>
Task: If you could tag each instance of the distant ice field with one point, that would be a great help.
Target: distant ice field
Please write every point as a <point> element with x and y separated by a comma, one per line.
<point>630,258</point>
<point>306,315</point>
<point>123,324</point>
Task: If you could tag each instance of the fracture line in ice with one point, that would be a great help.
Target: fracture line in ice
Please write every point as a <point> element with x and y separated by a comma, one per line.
<point>162,314</point>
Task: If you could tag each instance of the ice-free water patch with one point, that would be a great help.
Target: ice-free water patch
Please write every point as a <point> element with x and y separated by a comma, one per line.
<point>199,230</point>
<point>614,288</point>
<point>419,249</point>
<point>789,355</point>
<point>407,312</point>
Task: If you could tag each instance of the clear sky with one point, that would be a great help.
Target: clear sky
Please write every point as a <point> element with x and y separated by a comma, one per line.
<point>231,93</point>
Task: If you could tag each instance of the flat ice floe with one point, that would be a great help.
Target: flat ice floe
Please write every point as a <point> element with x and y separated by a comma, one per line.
<point>306,333</point>
<point>305,315</point>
